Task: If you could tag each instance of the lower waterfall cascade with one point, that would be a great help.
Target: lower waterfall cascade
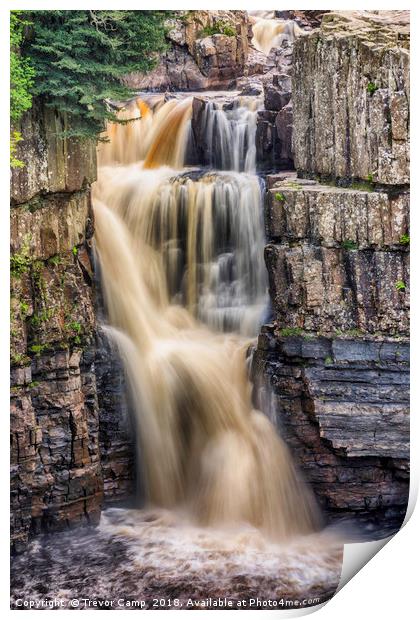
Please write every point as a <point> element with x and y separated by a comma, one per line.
<point>181,260</point>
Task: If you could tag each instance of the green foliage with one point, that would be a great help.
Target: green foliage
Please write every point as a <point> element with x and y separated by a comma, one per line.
<point>54,260</point>
<point>21,81</point>
<point>23,307</point>
<point>405,239</point>
<point>328,360</point>
<point>21,70</point>
<point>348,244</point>
<point>400,285</point>
<point>75,250</point>
<point>20,261</point>
<point>33,384</point>
<point>280,197</point>
<point>15,137</point>
<point>219,27</point>
<point>81,56</point>
<point>19,359</point>
<point>370,177</point>
<point>290,331</point>
<point>42,317</point>
<point>371,88</point>
<point>74,326</point>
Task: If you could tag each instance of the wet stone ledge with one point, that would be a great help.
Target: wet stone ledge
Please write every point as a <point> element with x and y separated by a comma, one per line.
<point>342,406</point>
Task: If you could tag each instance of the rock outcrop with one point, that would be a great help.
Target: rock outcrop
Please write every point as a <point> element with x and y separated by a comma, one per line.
<point>341,403</point>
<point>332,369</point>
<point>55,469</point>
<point>338,258</point>
<point>351,97</point>
<point>275,121</point>
<point>206,49</point>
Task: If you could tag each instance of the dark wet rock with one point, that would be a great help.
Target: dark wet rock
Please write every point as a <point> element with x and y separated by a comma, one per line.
<point>342,405</point>
<point>275,123</point>
<point>117,435</point>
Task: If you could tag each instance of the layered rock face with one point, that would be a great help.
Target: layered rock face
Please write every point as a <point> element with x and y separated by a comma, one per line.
<point>56,472</point>
<point>207,49</point>
<point>351,83</point>
<point>56,468</point>
<point>333,367</point>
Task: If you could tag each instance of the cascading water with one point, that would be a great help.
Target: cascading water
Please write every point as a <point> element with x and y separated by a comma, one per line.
<point>183,278</point>
<point>173,247</point>
<point>269,32</point>
<point>230,134</point>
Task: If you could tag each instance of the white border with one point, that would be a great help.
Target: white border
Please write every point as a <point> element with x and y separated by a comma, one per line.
<point>387,585</point>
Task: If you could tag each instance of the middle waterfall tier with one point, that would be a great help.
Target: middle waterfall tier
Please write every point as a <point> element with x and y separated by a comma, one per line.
<point>207,231</point>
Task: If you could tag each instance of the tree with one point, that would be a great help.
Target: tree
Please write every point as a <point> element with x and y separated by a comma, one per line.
<point>80,57</point>
<point>21,81</point>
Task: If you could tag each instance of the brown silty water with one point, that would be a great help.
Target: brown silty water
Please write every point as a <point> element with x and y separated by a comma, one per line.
<point>181,260</point>
<point>204,447</point>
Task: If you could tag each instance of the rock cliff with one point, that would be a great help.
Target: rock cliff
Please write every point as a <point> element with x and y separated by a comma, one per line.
<point>56,475</point>
<point>332,369</point>
<point>60,462</point>
<point>206,49</point>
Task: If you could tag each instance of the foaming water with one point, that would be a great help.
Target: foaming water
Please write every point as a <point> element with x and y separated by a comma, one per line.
<point>138,557</point>
<point>203,445</point>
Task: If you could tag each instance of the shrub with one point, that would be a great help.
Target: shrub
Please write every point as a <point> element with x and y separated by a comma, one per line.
<point>80,57</point>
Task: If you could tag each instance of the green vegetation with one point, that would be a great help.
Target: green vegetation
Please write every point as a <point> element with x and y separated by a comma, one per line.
<point>33,384</point>
<point>362,186</point>
<point>290,331</point>
<point>280,197</point>
<point>405,239</point>
<point>42,317</point>
<point>328,360</point>
<point>74,61</point>
<point>348,244</point>
<point>54,260</point>
<point>38,349</point>
<point>75,250</point>
<point>23,307</point>
<point>21,81</point>
<point>353,333</point>
<point>371,87</point>
<point>218,27</point>
<point>370,177</point>
<point>20,261</point>
<point>400,285</point>
<point>75,328</point>
<point>19,359</point>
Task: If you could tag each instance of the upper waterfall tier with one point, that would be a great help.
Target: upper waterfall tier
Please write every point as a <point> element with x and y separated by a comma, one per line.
<point>269,32</point>
<point>217,131</point>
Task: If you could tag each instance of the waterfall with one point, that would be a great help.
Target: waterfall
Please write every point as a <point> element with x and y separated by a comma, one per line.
<point>184,283</point>
<point>268,32</point>
<point>230,134</point>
